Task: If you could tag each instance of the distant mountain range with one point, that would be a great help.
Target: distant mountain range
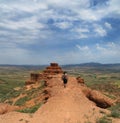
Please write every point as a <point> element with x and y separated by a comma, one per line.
<point>91,64</point>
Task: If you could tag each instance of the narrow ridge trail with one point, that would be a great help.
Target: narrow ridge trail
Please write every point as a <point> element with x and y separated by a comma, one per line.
<point>65,105</point>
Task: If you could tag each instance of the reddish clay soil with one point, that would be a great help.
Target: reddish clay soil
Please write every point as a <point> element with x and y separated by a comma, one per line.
<point>65,105</point>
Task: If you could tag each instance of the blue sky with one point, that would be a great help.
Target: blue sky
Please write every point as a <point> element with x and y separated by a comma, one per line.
<point>67,32</point>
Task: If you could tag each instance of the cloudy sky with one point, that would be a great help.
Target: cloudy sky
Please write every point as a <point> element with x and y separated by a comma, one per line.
<point>63,31</point>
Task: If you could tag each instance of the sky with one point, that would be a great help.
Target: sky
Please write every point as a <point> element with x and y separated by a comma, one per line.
<point>64,31</point>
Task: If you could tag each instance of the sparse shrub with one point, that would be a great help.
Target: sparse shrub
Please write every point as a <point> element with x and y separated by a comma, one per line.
<point>115,111</point>
<point>115,114</point>
<point>10,102</point>
<point>110,96</point>
<point>22,101</point>
<point>104,120</point>
<point>87,122</point>
<point>9,95</point>
<point>31,109</point>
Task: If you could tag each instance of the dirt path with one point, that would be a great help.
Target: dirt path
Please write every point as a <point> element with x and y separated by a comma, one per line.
<point>66,105</point>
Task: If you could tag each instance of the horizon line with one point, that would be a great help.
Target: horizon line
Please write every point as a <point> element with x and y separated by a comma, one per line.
<point>58,64</point>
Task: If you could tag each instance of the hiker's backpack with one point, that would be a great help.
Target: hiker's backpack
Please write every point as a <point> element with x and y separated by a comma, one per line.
<point>64,77</point>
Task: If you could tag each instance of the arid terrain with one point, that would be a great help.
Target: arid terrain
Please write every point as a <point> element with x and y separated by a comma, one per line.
<point>77,103</point>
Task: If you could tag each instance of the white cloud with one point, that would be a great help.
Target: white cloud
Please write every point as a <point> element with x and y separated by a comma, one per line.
<point>26,22</point>
<point>63,25</point>
<point>114,6</point>
<point>83,48</point>
<point>110,49</point>
<point>87,15</point>
<point>81,9</point>
<point>4,45</point>
<point>112,45</point>
<point>68,4</point>
<point>80,32</point>
<point>14,56</point>
<point>99,30</point>
<point>102,53</point>
<point>25,6</point>
<point>35,0</point>
<point>108,25</point>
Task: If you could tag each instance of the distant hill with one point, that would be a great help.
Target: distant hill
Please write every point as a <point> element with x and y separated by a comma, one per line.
<point>27,67</point>
<point>92,64</point>
<point>93,67</point>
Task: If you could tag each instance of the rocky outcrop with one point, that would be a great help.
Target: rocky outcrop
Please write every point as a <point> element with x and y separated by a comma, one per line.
<point>53,69</point>
<point>80,80</point>
<point>97,97</point>
<point>100,99</point>
<point>4,108</point>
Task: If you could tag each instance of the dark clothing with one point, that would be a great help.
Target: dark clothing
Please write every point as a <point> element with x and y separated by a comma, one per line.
<point>65,79</point>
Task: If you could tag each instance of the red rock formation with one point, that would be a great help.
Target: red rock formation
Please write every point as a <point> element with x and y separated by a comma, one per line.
<point>100,99</point>
<point>34,76</point>
<point>80,80</point>
<point>53,69</point>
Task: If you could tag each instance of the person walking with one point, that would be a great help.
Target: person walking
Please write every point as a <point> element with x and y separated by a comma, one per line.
<point>65,79</point>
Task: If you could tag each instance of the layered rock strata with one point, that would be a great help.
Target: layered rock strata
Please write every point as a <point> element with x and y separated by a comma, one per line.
<point>53,69</point>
